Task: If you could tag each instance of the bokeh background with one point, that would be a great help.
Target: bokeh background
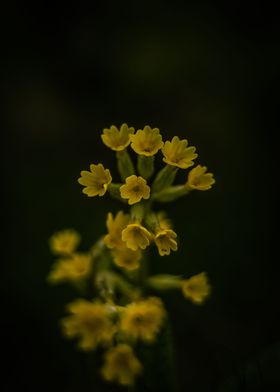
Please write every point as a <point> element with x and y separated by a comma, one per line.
<point>202,71</point>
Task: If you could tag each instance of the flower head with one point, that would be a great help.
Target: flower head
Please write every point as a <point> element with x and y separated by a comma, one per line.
<point>96,181</point>
<point>134,189</point>
<point>136,236</point>
<point>74,268</point>
<point>176,153</point>
<point>90,323</point>
<point>143,320</point>
<point>116,139</point>
<point>165,241</point>
<point>127,258</point>
<point>115,227</point>
<point>196,288</point>
<point>163,221</point>
<point>147,141</point>
<point>199,179</point>
<point>64,242</point>
<point>121,365</point>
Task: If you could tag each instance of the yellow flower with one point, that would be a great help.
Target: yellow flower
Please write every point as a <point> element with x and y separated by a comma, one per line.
<point>115,227</point>
<point>135,189</point>
<point>196,288</point>
<point>147,141</point>
<point>199,179</point>
<point>96,181</point>
<point>127,258</point>
<point>116,139</point>
<point>163,221</point>
<point>90,323</point>
<point>165,241</point>
<point>136,236</point>
<point>64,242</point>
<point>74,268</point>
<point>176,153</point>
<point>142,320</point>
<point>121,365</point>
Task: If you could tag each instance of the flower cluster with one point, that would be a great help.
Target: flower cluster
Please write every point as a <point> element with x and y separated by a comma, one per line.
<point>71,266</point>
<point>124,312</point>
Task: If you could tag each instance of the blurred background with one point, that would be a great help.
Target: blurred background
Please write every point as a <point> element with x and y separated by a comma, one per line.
<point>203,71</point>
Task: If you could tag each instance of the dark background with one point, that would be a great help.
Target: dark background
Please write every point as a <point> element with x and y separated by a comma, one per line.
<point>203,71</point>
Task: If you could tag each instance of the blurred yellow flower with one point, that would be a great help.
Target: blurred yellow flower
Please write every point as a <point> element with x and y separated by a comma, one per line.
<point>147,141</point>
<point>134,189</point>
<point>115,227</point>
<point>121,365</point>
<point>96,181</point>
<point>165,241</point>
<point>196,288</point>
<point>116,139</point>
<point>199,179</point>
<point>64,242</point>
<point>126,258</point>
<point>74,268</point>
<point>142,320</point>
<point>136,236</point>
<point>90,323</point>
<point>176,153</point>
<point>163,221</point>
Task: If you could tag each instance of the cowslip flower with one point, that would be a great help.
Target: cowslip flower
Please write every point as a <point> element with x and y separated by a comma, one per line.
<point>116,139</point>
<point>71,269</point>
<point>96,181</point>
<point>200,180</point>
<point>115,227</point>
<point>134,189</point>
<point>90,323</point>
<point>163,221</point>
<point>143,320</point>
<point>146,141</point>
<point>136,236</point>
<point>176,153</point>
<point>164,236</point>
<point>126,258</point>
<point>165,240</point>
<point>196,288</point>
<point>121,365</point>
<point>64,242</point>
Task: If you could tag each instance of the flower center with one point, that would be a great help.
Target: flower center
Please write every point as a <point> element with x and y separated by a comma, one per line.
<point>138,319</point>
<point>136,189</point>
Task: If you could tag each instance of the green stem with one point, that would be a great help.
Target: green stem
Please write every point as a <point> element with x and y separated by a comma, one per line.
<point>114,190</point>
<point>171,193</point>
<point>164,178</point>
<point>145,166</point>
<point>159,363</point>
<point>125,165</point>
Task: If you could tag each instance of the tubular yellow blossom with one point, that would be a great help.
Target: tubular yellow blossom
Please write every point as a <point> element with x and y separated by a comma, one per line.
<point>127,258</point>
<point>90,323</point>
<point>72,269</point>
<point>134,189</point>
<point>121,365</point>
<point>96,181</point>
<point>165,241</point>
<point>163,221</point>
<point>136,236</point>
<point>142,320</point>
<point>196,288</point>
<point>64,242</point>
<point>115,227</point>
<point>199,179</point>
<point>116,139</point>
<point>176,153</point>
<point>147,141</point>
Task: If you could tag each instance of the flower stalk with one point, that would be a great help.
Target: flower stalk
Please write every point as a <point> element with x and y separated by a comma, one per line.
<point>117,311</point>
